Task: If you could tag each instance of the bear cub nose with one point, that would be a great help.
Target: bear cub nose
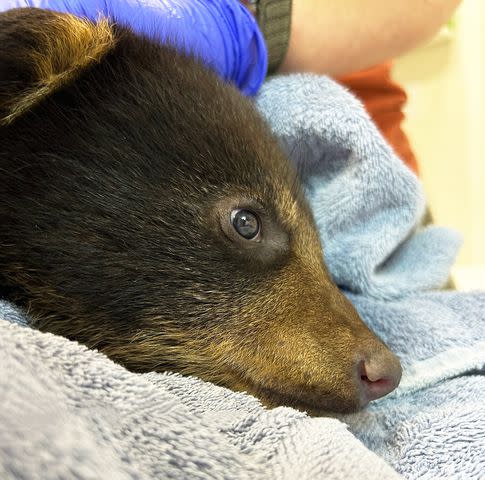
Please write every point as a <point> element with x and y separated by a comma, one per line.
<point>378,375</point>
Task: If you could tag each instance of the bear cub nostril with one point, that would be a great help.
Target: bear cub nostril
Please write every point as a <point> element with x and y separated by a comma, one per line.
<point>379,377</point>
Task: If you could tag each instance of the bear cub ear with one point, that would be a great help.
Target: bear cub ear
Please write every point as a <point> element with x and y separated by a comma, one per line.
<point>42,50</point>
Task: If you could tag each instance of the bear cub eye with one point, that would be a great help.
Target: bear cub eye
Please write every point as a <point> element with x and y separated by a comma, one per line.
<point>246,223</point>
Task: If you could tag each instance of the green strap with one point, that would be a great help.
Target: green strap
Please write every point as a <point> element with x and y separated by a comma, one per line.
<point>274,19</point>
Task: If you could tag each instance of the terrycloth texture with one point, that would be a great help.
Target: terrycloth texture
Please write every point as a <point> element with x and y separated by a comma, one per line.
<point>365,201</point>
<point>70,412</point>
<point>433,426</point>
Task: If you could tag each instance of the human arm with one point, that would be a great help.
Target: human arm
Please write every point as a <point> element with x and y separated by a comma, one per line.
<point>336,37</point>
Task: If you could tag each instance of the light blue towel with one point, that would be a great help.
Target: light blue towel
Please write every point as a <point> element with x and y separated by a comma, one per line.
<point>368,208</point>
<point>433,425</point>
<point>366,202</point>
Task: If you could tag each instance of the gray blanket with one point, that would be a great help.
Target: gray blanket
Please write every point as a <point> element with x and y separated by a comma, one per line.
<point>67,412</point>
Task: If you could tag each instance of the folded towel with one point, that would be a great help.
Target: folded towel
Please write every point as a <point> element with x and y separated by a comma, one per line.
<point>433,425</point>
<point>366,202</point>
<point>70,412</point>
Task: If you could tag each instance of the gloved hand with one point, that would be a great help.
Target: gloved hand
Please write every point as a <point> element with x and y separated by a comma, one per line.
<point>221,32</point>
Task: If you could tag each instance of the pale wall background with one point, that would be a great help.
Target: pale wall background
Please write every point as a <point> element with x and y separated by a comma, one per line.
<point>445,82</point>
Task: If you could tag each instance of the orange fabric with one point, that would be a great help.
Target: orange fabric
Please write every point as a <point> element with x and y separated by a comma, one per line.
<point>384,100</point>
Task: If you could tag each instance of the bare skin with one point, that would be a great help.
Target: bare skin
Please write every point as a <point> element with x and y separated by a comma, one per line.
<point>336,37</point>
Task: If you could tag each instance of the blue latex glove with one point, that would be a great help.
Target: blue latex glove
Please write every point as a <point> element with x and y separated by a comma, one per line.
<point>221,32</point>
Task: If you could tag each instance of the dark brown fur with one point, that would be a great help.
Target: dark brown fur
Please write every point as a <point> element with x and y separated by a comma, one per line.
<point>120,162</point>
